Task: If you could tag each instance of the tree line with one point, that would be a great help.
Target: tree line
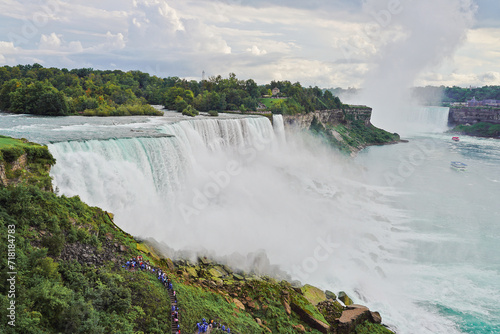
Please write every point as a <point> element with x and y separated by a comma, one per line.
<point>34,89</point>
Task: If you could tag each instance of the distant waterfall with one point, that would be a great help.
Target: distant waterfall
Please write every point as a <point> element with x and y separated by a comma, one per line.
<point>429,119</point>
<point>279,128</point>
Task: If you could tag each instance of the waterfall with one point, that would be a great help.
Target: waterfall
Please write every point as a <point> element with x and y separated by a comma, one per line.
<point>119,173</point>
<point>429,119</point>
<point>279,128</point>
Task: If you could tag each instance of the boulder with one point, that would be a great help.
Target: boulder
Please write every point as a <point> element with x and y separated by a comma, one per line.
<point>288,309</point>
<point>331,310</point>
<point>313,294</point>
<point>299,328</point>
<point>203,260</point>
<point>239,304</point>
<point>217,272</point>
<point>238,277</point>
<point>353,316</point>
<point>170,264</point>
<point>344,298</point>
<point>253,305</point>
<point>376,318</point>
<point>309,319</point>
<point>191,271</point>
<point>330,295</point>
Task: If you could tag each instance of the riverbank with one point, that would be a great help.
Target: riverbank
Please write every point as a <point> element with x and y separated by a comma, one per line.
<point>482,129</point>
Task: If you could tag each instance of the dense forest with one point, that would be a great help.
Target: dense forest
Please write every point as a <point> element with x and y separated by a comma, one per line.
<point>432,95</point>
<point>456,94</point>
<point>34,89</point>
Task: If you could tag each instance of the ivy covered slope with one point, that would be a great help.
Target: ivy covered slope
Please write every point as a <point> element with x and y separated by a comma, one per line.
<point>24,162</point>
<point>68,259</point>
<point>481,129</point>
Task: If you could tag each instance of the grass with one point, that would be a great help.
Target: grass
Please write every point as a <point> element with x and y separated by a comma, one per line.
<point>268,102</point>
<point>369,328</point>
<point>7,141</point>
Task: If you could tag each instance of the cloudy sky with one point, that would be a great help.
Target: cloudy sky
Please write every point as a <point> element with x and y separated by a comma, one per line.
<point>329,43</point>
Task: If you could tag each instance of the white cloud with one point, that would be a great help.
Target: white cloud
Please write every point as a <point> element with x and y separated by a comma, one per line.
<point>256,51</point>
<point>292,40</point>
<point>51,42</point>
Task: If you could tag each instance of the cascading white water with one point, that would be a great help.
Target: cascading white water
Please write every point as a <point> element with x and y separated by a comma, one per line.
<point>428,119</point>
<point>279,128</point>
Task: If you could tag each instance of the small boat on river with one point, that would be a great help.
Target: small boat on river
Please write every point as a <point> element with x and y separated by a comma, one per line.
<point>458,166</point>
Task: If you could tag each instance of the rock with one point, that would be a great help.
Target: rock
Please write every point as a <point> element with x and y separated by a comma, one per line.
<point>258,321</point>
<point>310,320</point>
<point>352,317</point>
<point>313,294</point>
<point>217,272</point>
<point>109,236</point>
<point>344,298</point>
<point>376,318</point>
<point>203,260</point>
<point>330,295</point>
<point>288,309</point>
<point>123,248</point>
<point>238,277</point>
<point>170,264</point>
<point>299,328</point>
<point>331,310</point>
<point>192,272</point>
<point>239,304</point>
<point>253,305</point>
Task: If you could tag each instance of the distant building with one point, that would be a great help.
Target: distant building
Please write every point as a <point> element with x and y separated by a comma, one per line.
<point>491,103</point>
<point>476,103</point>
<point>275,91</point>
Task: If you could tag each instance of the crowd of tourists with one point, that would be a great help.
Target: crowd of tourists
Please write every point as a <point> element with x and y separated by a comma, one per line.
<point>137,263</point>
<point>211,326</point>
<point>203,326</point>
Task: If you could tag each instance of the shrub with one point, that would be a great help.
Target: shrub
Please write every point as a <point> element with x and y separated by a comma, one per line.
<point>190,111</point>
<point>54,244</point>
<point>214,113</point>
<point>12,153</point>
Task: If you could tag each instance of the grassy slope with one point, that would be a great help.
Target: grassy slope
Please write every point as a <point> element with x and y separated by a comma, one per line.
<point>354,136</point>
<point>481,129</point>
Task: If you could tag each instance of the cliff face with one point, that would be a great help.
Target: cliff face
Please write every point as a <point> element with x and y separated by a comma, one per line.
<point>330,117</point>
<point>349,129</point>
<point>19,164</point>
<point>473,115</point>
<point>24,162</point>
